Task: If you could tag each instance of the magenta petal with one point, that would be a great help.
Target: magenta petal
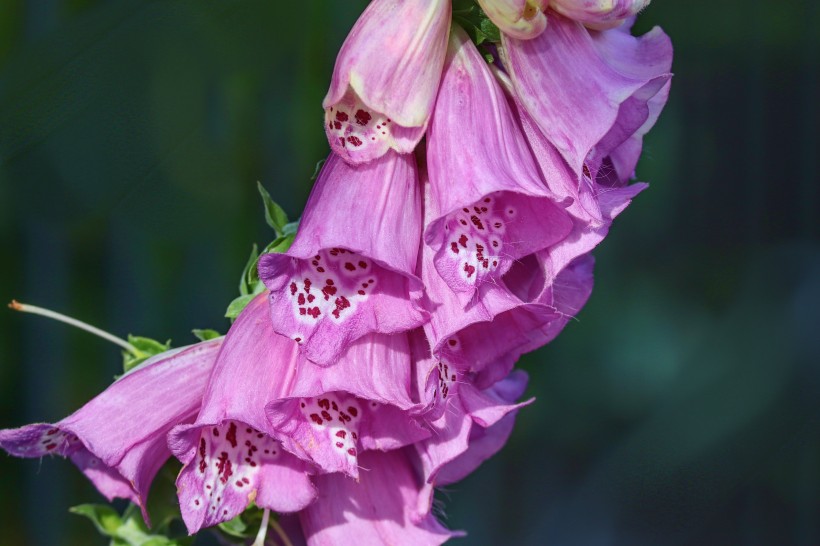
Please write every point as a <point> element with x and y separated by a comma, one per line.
<point>229,457</point>
<point>118,438</point>
<point>487,204</point>
<point>386,77</point>
<point>350,269</point>
<point>378,509</point>
<point>360,403</point>
<point>580,85</point>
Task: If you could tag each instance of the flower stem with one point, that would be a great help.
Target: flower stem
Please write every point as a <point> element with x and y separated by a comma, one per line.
<point>263,529</point>
<point>33,309</point>
<point>281,532</point>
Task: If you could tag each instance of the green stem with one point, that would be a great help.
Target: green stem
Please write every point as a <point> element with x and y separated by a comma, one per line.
<point>33,309</point>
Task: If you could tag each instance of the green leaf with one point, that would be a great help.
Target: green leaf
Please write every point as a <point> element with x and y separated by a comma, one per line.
<point>274,215</point>
<point>490,30</point>
<point>236,528</point>
<point>205,334</point>
<point>246,282</point>
<point>237,305</point>
<point>146,348</point>
<point>104,518</point>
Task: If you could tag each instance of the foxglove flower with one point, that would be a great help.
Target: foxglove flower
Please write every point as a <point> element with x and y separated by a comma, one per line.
<point>486,207</point>
<point>229,457</point>
<point>599,14</point>
<point>361,403</point>
<point>350,270</point>
<point>385,80</point>
<point>594,202</point>
<point>475,426</point>
<point>588,91</point>
<point>527,309</point>
<point>522,19</point>
<point>380,508</point>
<point>118,439</point>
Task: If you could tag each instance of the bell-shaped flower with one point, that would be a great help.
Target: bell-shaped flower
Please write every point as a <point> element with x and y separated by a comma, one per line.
<point>588,91</point>
<point>599,14</point>
<point>522,19</point>
<point>379,508</point>
<point>474,425</point>
<point>118,439</point>
<point>593,201</point>
<point>229,457</point>
<point>486,204</point>
<point>350,270</point>
<point>362,403</point>
<point>386,77</point>
<point>526,309</point>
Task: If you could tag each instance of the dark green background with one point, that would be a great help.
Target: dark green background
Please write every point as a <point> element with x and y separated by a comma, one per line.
<point>680,408</point>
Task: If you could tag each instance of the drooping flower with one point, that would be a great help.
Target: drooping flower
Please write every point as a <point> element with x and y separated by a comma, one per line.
<point>599,14</point>
<point>588,91</point>
<point>385,80</point>
<point>118,439</point>
<point>361,403</point>
<point>229,457</point>
<point>351,268</point>
<point>380,508</point>
<point>526,309</point>
<point>486,204</point>
<point>522,19</point>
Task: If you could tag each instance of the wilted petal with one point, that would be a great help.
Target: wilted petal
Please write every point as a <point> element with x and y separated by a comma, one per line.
<point>585,88</point>
<point>229,458</point>
<point>386,77</point>
<point>350,269</point>
<point>599,14</point>
<point>487,205</point>
<point>378,509</point>
<point>118,438</point>
<point>360,403</point>
<point>522,19</point>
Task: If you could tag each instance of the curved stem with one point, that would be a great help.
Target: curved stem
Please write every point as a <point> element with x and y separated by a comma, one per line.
<point>33,309</point>
<point>281,532</point>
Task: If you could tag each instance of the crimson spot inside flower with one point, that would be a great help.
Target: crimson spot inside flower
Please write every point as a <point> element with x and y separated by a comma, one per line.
<point>354,126</point>
<point>228,459</point>
<point>336,416</point>
<point>475,238</point>
<point>331,285</point>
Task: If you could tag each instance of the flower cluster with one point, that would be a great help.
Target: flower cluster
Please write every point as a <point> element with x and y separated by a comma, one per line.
<point>378,363</point>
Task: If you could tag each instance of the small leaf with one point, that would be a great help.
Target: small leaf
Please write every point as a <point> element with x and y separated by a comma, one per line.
<point>274,215</point>
<point>146,348</point>
<point>205,334</point>
<point>490,30</point>
<point>237,305</point>
<point>105,519</point>
<point>236,527</point>
<point>250,267</point>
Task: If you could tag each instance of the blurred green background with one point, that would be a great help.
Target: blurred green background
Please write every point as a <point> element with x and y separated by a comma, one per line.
<point>682,407</point>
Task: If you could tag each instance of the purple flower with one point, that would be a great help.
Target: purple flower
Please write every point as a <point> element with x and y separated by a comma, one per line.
<point>380,508</point>
<point>522,19</point>
<point>386,77</point>
<point>230,458</point>
<point>587,91</point>
<point>526,309</point>
<point>118,438</point>
<point>351,268</point>
<point>487,205</point>
<point>361,403</point>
